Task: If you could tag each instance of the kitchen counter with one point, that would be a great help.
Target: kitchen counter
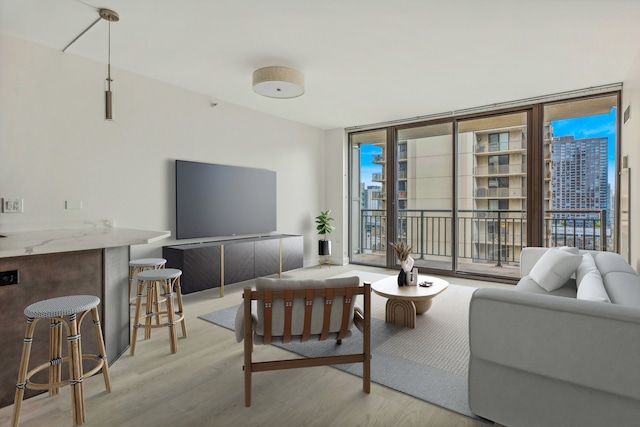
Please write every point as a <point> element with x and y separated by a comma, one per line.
<point>19,243</point>
<point>65,259</point>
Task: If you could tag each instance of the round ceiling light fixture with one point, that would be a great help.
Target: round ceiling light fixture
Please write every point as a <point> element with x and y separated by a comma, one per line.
<point>278,82</point>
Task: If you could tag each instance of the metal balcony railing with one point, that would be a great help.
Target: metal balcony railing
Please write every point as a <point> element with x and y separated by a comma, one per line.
<point>501,169</point>
<point>483,235</point>
<point>500,192</point>
<point>494,148</point>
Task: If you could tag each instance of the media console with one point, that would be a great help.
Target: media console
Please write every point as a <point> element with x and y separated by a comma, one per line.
<point>223,262</point>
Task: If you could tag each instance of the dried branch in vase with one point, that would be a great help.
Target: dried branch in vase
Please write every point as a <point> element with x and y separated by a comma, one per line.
<point>402,250</point>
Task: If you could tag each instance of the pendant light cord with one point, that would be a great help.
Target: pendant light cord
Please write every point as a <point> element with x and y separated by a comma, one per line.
<point>109,60</point>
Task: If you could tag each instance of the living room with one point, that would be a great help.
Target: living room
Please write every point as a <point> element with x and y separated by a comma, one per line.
<point>56,146</point>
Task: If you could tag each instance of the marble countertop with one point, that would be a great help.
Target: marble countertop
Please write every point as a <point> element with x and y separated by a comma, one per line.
<point>19,243</point>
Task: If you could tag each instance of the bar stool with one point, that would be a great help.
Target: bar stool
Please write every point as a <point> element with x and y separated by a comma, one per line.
<point>76,307</point>
<point>138,265</point>
<point>168,279</point>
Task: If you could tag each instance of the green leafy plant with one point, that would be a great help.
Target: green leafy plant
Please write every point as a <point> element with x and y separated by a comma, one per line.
<point>324,223</point>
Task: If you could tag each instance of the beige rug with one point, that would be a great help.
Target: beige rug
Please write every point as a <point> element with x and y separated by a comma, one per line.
<point>428,362</point>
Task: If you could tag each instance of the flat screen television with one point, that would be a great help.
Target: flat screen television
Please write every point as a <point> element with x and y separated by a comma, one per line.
<point>220,200</point>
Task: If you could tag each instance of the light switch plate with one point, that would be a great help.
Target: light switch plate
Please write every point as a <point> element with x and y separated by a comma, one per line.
<point>12,205</point>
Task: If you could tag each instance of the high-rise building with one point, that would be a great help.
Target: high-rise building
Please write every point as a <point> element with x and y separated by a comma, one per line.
<point>580,175</point>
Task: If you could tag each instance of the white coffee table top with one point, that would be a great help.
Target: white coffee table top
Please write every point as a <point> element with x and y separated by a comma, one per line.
<point>389,288</point>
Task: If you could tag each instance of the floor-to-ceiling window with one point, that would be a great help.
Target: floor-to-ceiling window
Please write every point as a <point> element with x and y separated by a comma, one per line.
<point>492,176</point>
<point>469,192</point>
<point>424,205</point>
<point>580,141</point>
<point>368,192</point>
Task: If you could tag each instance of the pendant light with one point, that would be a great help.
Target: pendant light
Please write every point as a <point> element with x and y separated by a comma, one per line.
<point>110,16</point>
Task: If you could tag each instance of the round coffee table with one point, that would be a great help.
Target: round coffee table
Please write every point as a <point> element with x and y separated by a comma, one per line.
<point>405,302</point>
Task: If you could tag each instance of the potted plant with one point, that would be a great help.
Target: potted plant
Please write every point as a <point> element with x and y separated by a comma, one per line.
<point>324,227</point>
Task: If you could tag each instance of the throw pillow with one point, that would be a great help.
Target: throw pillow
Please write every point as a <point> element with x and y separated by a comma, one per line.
<point>554,268</point>
<point>592,288</point>
<point>587,264</point>
<point>570,249</point>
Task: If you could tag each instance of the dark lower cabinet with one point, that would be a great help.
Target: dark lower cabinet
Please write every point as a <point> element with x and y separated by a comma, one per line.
<point>206,265</point>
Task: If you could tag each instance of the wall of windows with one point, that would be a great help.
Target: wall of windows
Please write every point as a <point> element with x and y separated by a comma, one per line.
<point>469,192</point>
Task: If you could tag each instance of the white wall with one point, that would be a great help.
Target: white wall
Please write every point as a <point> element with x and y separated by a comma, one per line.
<point>630,139</point>
<point>56,146</point>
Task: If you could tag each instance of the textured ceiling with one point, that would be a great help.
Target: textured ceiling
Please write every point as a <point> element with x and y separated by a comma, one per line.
<point>365,61</point>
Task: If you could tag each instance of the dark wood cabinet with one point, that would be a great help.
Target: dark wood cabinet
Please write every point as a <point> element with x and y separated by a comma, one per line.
<point>223,262</point>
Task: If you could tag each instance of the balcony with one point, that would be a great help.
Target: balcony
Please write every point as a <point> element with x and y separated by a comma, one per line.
<point>513,146</point>
<point>517,169</point>
<point>498,193</point>
<point>486,238</point>
<point>378,159</point>
<point>377,177</point>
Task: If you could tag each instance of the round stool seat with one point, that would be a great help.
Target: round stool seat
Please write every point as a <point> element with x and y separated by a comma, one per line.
<point>62,306</point>
<point>161,274</point>
<point>147,262</point>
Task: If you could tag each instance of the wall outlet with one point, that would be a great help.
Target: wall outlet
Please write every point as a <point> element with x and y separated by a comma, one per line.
<point>12,205</point>
<point>9,277</point>
<point>73,204</point>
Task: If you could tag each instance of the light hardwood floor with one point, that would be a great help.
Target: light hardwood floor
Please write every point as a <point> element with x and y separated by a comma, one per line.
<point>202,385</point>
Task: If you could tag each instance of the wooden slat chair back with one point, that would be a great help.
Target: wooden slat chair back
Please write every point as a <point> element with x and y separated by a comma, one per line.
<point>304,310</point>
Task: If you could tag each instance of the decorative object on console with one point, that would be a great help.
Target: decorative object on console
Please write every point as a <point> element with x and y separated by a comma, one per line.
<point>406,275</point>
<point>324,227</point>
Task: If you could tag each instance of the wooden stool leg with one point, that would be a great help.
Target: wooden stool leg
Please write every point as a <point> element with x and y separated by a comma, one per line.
<point>75,371</point>
<point>151,286</point>
<point>22,371</point>
<point>101,349</point>
<point>156,304</point>
<point>180,307</point>
<point>136,321</point>
<point>168,294</point>
<point>131,276</point>
<point>55,354</point>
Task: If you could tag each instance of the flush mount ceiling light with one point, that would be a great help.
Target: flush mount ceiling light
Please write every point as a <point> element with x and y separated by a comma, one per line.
<point>278,82</point>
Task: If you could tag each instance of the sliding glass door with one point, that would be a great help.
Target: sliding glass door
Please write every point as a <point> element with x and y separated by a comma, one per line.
<point>368,211</point>
<point>580,178</point>
<point>424,193</point>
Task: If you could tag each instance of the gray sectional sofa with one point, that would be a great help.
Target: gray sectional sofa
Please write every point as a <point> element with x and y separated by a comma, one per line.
<point>567,355</point>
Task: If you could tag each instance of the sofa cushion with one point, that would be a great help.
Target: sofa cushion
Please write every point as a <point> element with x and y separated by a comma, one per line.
<point>610,261</point>
<point>591,287</point>
<point>554,268</point>
<point>570,249</point>
<point>527,284</point>
<point>623,288</point>
<point>587,264</point>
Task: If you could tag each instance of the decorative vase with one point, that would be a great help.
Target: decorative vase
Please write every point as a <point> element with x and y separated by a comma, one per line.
<point>407,264</point>
<point>402,278</point>
<point>405,277</point>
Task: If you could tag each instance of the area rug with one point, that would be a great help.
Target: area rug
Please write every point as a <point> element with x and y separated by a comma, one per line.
<point>428,362</point>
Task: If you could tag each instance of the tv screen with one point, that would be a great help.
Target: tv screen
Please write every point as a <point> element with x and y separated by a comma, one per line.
<point>220,200</point>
